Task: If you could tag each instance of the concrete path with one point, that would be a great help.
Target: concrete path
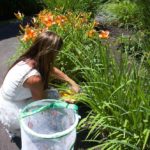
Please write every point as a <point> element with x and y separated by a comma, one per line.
<point>7,49</point>
<point>8,45</point>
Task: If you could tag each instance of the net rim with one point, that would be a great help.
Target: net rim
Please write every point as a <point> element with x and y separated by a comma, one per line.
<point>48,136</point>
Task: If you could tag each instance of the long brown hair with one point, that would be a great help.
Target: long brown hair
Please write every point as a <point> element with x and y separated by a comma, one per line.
<point>43,51</point>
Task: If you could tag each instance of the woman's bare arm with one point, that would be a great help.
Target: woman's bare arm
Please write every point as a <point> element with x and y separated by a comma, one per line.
<point>57,73</point>
<point>35,84</point>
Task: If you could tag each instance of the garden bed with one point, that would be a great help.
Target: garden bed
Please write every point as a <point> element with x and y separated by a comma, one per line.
<point>116,91</point>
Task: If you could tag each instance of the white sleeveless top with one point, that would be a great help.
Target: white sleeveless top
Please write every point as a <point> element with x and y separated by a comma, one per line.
<point>13,96</point>
<point>12,88</point>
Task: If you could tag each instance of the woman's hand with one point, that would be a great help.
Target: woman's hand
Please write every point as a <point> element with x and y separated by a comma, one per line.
<point>75,87</point>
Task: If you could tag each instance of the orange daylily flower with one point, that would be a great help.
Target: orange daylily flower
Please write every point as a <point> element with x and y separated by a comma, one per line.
<point>19,15</point>
<point>91,33</point>
<point>47,19</point>
<point>104,34</point>
<point>60,19</point>
<point>29,34</point>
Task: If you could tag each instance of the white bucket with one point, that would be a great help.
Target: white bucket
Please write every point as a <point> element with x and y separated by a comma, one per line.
<point>48,125</point>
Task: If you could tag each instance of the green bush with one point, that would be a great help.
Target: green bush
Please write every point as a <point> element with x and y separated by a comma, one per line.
<point>74,5</point>
<point>118,94</point>
<point>144,8</point>
<point>124,13</point>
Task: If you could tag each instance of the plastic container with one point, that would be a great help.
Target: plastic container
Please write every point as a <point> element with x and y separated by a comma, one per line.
<point>48,125</point>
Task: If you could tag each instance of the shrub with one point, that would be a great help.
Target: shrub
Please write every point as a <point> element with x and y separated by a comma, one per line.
<point>74,5</point>
<point>124,13</point>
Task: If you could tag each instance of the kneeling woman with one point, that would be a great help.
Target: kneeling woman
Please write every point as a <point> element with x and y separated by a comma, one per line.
<point>27,79</point>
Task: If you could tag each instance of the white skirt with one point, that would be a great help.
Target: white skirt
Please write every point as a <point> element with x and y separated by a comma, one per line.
<point>9,114</point>
<point>9,111</point>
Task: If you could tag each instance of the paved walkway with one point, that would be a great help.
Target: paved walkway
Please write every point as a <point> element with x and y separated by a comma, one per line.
<point>8,45</point>
<point>7,49</point>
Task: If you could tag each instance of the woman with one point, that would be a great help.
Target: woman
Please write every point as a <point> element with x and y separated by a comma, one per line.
<point>28,77</point>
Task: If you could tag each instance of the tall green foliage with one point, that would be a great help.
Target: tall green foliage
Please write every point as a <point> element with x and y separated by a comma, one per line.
<point>74,5</point>
<point>118,94</point>
<point>144,8</point>
<point>125,13</point>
